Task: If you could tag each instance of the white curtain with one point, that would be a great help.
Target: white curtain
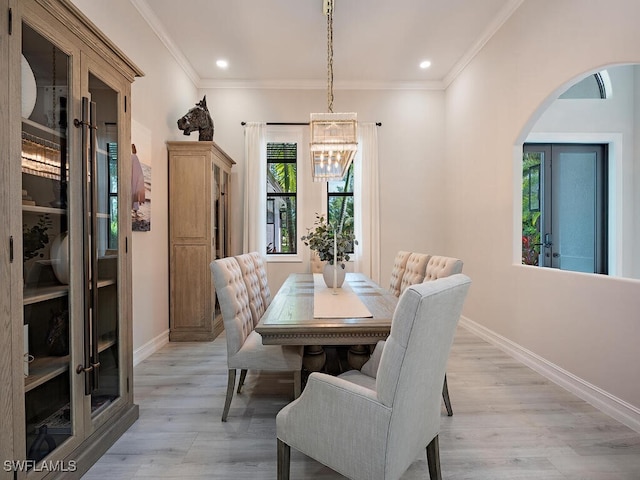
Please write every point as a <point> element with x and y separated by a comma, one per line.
<point>255,188</point>
<point>367,201</point>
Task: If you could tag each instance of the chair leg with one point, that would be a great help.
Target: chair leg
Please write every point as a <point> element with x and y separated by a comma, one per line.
<point>243,375</point>
<point>297,383</point>
<point>284,460</point>
<point>445,397</point>
<point>433,459</point>
<point>231,383</point>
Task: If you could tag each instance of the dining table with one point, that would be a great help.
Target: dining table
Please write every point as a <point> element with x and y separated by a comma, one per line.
<point>305,311</point>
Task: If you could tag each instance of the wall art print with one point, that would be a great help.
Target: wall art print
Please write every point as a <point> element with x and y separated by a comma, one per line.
<point>140,178</point>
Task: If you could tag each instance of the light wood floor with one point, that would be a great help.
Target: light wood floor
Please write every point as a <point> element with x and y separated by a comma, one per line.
<point>508,423</point>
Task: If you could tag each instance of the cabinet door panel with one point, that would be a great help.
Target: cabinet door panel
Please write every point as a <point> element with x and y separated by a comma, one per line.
<point>191,287</point>
<point>190,206</point>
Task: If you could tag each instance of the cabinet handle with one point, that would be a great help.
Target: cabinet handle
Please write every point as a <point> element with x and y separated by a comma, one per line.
<point>82,369</point>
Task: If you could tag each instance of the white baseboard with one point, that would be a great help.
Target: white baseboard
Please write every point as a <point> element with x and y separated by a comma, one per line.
<point>150,347</point>
<point>622,411</point>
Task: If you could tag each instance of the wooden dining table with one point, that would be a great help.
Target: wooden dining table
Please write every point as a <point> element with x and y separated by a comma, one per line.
<point>290,320</point>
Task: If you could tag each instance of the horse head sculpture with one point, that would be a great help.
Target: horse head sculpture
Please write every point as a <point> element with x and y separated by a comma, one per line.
<point>197,118</point>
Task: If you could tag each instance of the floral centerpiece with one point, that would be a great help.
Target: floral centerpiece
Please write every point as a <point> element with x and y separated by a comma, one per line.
<point>332,245</point>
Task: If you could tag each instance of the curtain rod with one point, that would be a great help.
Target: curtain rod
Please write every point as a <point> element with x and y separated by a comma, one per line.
<point>379,124</point>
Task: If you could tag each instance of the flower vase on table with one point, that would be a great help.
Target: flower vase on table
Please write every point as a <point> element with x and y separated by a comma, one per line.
<point>332,244</point>
<point>328,273</point>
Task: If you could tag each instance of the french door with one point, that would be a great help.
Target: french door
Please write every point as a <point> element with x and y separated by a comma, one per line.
<point>565,206</point>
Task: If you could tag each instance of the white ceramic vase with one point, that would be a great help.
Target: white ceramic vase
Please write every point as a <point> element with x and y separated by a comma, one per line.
<point>60,257</point>
<point>327,274</point>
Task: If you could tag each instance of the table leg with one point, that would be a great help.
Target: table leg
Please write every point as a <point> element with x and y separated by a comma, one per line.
<point>314,358</point>
<point>357,356</point>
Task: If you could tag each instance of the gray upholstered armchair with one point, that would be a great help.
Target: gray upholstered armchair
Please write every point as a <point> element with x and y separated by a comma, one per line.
<point>375,428</point>
<point>244,345</point>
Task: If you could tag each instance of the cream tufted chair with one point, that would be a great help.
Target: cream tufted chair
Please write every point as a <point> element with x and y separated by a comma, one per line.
<point>399,265</point>
<point>439,267</point>
<point>261,271</point>
<point>244,345</point>
<point>372,429</point>
<point>317,265</point>
<point>415,270</point>
<point>254,286</point>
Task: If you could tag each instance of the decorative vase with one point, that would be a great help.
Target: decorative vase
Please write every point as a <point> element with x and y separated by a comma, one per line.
<point>327,274</point>
<point>60,257</point>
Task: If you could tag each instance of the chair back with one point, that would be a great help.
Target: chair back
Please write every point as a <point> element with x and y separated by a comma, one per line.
<point>252,282</point>
<point>399,266</point>
<point>317,265</point>
<point>413,364</point>
<point>261,271</point>
<point>439,267</point>
<point>415,270</point>
<point>234,302</point>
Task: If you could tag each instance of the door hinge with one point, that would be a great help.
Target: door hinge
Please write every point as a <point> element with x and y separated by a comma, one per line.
<point>11,249</point>
<point>127,384</point>
<point>126,245</point>
<point>125,104</point>
<point>10,21</point>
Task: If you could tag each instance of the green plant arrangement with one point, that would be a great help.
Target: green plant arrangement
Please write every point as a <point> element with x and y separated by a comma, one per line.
<point>35,238</point>
<point>320,238</point>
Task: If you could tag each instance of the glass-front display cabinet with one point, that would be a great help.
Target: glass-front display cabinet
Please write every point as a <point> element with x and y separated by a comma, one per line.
<point>69,309</point>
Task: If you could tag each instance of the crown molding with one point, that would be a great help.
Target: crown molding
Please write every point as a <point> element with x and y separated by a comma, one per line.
<point>503,15</point>
<point>318,85</point>
<point>156,25</point>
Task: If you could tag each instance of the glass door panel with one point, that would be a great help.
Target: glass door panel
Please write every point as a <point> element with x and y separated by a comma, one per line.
<point>45,173</point>
<point>103,244</point>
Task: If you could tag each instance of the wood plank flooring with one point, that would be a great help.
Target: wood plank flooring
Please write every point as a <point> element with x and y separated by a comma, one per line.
<point>508,423</point>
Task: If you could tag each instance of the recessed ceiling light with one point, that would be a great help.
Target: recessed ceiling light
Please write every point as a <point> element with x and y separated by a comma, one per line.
<point>425,64</point>
<point>222,63</point>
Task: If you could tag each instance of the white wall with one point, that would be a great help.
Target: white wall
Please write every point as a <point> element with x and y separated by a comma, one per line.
<point>587,325</point>
<point>411,153</point>
<point>159,98</point>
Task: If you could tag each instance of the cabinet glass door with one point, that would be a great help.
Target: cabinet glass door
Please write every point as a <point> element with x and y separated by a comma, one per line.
<point>100,164</point>
<point>45,171</point>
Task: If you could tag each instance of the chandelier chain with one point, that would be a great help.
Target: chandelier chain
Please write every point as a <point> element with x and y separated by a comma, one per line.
<point>330,56</point>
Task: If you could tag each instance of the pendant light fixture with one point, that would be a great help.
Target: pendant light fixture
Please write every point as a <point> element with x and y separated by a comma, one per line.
<point>333,135</point>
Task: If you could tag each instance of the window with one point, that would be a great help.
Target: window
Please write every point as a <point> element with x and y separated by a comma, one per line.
<point>564,207</point>
<point>340,205</point>
<point>282,205</point>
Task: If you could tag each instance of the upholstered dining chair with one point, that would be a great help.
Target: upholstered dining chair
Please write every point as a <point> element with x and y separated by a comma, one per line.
<point>399,266</point>
<point>437,267</point>
<point>317,265</point>
<point>415,270</point>
<point>261,271</point>
<point>375,429</point>
<point>244,345</point>
<point>440,267</point>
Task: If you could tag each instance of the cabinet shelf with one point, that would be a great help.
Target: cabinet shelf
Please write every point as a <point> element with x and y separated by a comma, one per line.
<point>43,369</point>
<point>40,209</point>
<point>41,294</point>
<point>107,341</point>
<point>42,128</point>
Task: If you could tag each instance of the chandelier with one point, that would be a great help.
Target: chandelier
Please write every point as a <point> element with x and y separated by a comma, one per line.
<point>333,135</point>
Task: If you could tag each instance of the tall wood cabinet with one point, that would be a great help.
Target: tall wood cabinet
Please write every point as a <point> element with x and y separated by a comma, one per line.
<point>66,360</point>
<point>199,177</point>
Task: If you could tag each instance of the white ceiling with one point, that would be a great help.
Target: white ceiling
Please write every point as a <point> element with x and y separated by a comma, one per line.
<point>283,43</point>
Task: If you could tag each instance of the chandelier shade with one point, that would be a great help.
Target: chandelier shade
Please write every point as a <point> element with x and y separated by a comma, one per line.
<point>333,144</point>
<point>333,135</point>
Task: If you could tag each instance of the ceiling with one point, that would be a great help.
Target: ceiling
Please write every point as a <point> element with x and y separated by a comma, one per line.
<point>283,43</point>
